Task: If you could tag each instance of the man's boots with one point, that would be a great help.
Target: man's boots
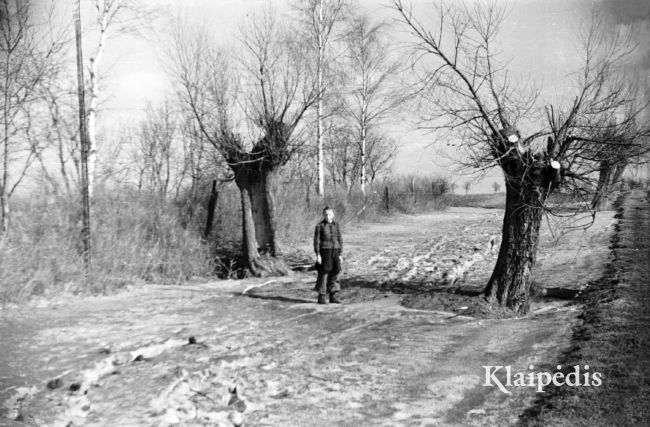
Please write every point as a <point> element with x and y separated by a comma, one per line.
<point>321,299</point>
<point>334,298</point>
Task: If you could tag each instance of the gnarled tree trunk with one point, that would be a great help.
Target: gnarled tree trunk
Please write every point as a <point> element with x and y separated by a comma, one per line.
<point>608,175</point>
<point>511,278</point>
<point>604,178</point>
<point>260,245</point>
<point>526,190</point>
<point>263,208</point>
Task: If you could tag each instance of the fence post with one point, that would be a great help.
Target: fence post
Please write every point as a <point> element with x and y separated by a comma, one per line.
<point>413,189</point>
<point>387,199</point>
<point>212,203</point>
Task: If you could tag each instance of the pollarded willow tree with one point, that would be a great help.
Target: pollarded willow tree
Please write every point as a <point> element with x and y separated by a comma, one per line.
<point>249,110</point>
<point>469,93</point>
<point>621,146</point>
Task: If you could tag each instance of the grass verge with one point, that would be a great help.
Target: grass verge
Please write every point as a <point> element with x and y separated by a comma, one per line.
<point>613,337</point>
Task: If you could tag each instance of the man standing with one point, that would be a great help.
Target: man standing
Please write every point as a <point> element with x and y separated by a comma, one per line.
<point>328,245</point>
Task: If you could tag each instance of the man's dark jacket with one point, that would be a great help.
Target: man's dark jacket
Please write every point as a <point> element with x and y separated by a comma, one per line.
<point>327,236</point>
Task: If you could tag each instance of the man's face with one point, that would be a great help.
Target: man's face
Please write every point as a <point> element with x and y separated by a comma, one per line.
<point>328,215</point>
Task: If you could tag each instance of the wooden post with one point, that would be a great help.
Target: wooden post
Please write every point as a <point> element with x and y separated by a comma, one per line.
<point>83,138</point>
<point>212,203</point>
<point>387,199</point>
<point>413,189</point>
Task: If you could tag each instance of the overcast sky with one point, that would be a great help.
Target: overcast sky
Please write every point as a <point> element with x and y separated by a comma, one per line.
<point>537,38</point>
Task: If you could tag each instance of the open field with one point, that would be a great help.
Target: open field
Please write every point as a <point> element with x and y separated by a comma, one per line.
<point>393,354</point>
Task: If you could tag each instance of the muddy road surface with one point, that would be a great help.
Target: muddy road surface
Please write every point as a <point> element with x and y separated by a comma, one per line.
<point>261,352</point>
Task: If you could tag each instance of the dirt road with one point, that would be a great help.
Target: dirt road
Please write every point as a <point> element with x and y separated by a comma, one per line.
<point>268,355</point>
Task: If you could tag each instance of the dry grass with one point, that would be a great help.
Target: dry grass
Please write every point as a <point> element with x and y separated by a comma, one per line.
<point>612,338</point>
<point>133,240</point>
<point>487,201</point>
<point>137,237</point>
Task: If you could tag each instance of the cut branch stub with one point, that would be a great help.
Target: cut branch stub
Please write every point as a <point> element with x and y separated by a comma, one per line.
<point>503,142</point>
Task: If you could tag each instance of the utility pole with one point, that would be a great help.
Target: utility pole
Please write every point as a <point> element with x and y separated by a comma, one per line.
<point>83,139</point>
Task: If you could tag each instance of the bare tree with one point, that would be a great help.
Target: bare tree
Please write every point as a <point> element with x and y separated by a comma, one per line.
<point>467,185</point>
<point>319,19</point>
<point>275,90</point>
<point>373,94</point>
<point>381,151</point>
<point>300,170</point>
<point>62,132</point>
<point>344,159</point>
<point>27,55</point>
<point>473,96</point>
<point>619,145</point>
<point>106,12</point>
<point>341,154</point>
<point>199,163</point>
<point>162,168</point>
<point>112,17</point>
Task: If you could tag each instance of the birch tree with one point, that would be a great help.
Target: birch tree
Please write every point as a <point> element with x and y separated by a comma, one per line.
<point>319,20</point>
<point>373,93</point>
<point>112,17</point>
<point>343,154</point>
<point>106,11</point>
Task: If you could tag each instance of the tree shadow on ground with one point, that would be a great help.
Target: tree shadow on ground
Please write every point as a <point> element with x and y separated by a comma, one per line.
<point>459,298</point>
<point>409,287</point>
<point>272,297</point>
<point>358,289</point>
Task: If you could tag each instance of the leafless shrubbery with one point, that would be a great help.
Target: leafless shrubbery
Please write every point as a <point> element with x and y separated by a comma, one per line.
<point>30,53</point>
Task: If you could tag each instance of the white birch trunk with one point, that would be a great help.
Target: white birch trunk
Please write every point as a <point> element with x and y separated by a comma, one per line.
<point>94,97</point>
<point>319,141</point>
<point>363,160</point>
<point>4,185</point>
<point>364,124</point>
<point>319,111</point>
